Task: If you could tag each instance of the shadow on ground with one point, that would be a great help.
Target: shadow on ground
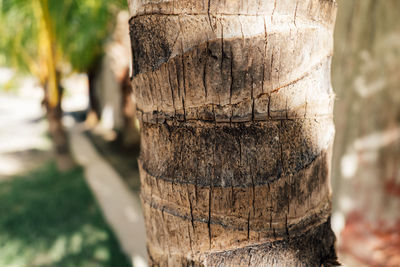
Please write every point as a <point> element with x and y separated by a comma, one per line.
<point>51,219</point>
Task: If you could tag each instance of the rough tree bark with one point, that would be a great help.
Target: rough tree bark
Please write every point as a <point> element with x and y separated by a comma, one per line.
<point>235,103</point>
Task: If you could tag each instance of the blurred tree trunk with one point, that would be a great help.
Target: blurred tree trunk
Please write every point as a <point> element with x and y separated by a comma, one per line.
<point>235,103</point>
<point>366,162</point>
<point>130,131</point>
<point>94,113</point>
<point>110,87</point>
<point>57,132</point>
<point>50,80</point>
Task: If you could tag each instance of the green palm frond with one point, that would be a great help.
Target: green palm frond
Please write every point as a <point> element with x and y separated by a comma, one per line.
<point>19,32</point>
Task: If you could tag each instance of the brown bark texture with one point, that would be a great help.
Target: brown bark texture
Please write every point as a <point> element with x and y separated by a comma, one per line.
<point>58,133</point>
<point>235,103</point>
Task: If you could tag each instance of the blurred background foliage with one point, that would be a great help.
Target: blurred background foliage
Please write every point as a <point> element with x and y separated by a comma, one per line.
<point>80,29</point>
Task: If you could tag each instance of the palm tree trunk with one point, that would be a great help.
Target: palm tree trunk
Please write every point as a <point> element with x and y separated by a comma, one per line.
<point>94,105</point>
<point>62,153</point>
<point>235,103</point>
<point>130,132</point>
<point>50,80</point>
<point>366,159</point>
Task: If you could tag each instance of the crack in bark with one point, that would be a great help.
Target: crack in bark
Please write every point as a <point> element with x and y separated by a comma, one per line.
<point>248,227</point>
<point>273,11</point>
<point>204,74</point>
<point>191,207</point>
<point>171,90</point>
<point>208,14</point>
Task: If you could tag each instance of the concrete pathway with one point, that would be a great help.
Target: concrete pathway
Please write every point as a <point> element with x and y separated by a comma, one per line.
<point>120,206</point>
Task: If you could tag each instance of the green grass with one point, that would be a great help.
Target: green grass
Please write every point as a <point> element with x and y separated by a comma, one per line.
<point>49,218</point>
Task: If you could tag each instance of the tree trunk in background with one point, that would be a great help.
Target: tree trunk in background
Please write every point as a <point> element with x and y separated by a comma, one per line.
<point>57,132</point>
<point>94,106</point>
<point>130,130</point>
<point>366,162</point>
<point>235,104</point>
<point>50,80</point>
<point>112,89</point>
